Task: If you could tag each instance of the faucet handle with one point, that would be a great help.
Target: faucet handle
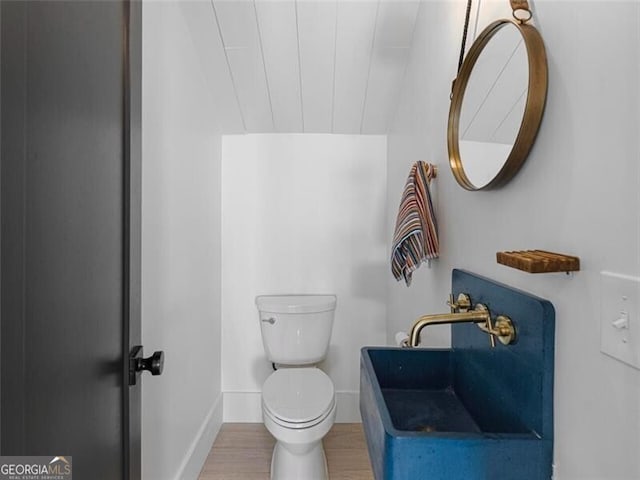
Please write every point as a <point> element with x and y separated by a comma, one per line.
<point>451,303</point>
<point>503,329</point>
<point>463,304</point>
<point>488,326</point>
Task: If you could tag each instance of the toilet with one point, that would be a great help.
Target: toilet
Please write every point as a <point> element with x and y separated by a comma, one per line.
<point>298,399</point>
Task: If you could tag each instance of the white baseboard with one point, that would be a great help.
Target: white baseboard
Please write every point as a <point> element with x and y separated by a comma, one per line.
<point>246,407</point>
<point>201,445</point>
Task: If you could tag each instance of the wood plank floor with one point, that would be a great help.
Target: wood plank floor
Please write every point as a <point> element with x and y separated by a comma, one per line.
<point>242,451</point>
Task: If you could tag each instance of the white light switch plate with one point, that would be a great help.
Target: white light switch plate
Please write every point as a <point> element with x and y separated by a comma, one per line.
<point>619,317</point>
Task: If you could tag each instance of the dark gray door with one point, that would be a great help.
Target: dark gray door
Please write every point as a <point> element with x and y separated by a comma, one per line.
<point>70,274</point>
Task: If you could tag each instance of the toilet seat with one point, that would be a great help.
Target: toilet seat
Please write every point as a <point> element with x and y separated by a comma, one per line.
<point>298,426</point>
<point>298,397</point>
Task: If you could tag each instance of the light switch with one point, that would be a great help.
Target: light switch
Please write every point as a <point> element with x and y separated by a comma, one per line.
<point>619,317</point>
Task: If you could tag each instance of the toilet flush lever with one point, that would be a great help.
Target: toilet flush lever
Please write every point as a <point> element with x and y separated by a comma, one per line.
<point>270,320</point>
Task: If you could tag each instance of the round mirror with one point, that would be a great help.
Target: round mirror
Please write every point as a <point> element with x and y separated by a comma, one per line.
<point>497,105</point>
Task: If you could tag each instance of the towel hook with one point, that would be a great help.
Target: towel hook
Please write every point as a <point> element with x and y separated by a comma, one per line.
<point>434,170</point>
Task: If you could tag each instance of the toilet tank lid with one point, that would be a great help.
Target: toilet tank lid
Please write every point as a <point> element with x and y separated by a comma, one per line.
<point>296,303</point>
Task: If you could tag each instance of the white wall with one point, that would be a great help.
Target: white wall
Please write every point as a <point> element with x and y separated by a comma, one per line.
<point>182,409</point>
<point>577,194</point>
<point>302,214</point>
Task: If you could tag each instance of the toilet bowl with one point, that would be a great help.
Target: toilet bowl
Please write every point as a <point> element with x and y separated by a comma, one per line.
<point>298,408</point>
<point>298,399</point>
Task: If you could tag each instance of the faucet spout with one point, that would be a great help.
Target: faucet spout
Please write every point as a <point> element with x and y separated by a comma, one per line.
<point>481,316</point>
<point>504,329</point>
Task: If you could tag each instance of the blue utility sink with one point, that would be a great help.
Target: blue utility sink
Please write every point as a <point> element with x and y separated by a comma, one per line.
<point>470,412</point>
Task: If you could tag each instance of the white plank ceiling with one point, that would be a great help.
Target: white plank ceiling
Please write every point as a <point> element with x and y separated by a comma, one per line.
<point>312,66</point>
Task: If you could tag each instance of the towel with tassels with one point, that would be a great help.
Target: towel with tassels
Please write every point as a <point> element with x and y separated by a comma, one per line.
<point>415,239</point>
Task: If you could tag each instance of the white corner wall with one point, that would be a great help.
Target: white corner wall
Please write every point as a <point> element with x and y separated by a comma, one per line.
<point>302,214</point>
<point>182,409</point>
<point>577,194</point>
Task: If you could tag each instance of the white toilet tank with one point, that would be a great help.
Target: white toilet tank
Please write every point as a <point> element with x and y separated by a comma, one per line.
<point>296,329</point>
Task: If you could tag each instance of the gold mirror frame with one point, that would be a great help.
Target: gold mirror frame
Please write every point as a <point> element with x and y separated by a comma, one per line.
<point>534,107</point>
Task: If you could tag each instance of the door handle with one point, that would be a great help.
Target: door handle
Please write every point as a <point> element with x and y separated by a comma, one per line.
<point>270,320</point>
<point>137,363</point>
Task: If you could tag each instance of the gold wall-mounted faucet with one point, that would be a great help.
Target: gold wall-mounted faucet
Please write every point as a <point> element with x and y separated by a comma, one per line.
<point>462,312</point>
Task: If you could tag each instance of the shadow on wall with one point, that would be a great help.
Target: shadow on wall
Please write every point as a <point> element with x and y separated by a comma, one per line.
<point>332,358</point>
<point>261,367</point>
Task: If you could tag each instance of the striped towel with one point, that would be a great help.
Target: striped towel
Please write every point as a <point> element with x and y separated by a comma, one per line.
<point>416,235</point>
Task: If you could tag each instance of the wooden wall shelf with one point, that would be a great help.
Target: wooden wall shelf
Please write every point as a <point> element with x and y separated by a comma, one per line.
<point>539,261</point>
